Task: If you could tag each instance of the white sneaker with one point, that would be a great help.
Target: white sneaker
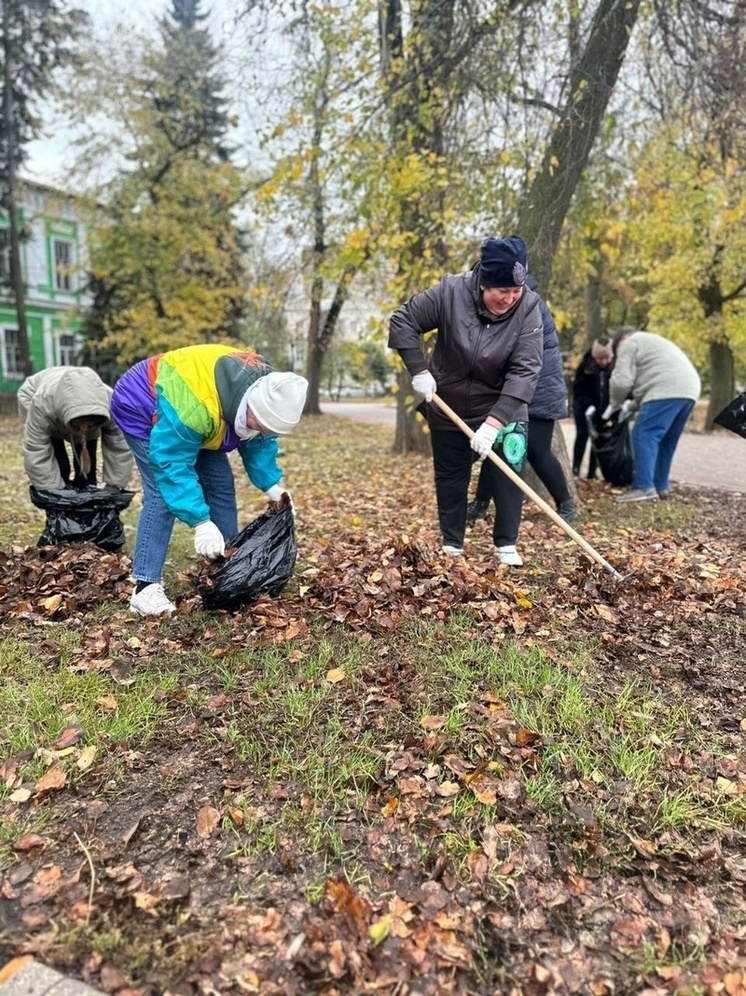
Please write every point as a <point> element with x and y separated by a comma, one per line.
<point>639,494</point>
<point>508,555</point>
<point>453,551</point>
<point>151,601</point>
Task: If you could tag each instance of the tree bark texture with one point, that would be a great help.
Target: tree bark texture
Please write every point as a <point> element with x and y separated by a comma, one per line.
<point>321,329</point>
<point>418,111</point>
<point>722,380</point>
<point>559,448</point>
<point>592,80</point>
<point>16,273</point>
<point>594,326</point>
<point>712,297</point>
<point>411,434</point>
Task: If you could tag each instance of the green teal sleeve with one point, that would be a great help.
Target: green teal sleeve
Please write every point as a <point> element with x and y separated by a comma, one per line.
<point>259,456</point>
<point>174,449</point>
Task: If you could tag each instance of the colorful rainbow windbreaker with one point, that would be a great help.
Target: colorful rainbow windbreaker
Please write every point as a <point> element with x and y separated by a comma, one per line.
<point>185,401</point>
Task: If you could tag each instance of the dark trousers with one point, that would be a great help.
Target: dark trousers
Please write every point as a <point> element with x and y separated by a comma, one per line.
<point>544,463</point>
<point>63,462</point>
<point>453,458</point>
<point>581,437</point>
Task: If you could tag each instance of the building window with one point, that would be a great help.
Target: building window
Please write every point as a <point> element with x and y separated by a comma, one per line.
<point>63,265</point>
<point>68,349</point>
<point>12,357</point>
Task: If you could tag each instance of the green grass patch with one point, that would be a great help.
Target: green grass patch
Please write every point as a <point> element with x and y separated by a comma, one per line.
<point>606,747</point>
<point>38,700</point>
<point>327,743</point>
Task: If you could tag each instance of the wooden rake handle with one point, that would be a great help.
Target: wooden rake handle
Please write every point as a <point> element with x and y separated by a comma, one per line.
<point>530,493</point>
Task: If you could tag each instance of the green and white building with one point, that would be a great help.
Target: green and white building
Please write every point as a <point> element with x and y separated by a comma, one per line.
<point>53,266</point>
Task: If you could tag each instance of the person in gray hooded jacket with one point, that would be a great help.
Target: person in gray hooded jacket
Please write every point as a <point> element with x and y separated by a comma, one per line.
<point>70,405</point>
<point>485,366</point>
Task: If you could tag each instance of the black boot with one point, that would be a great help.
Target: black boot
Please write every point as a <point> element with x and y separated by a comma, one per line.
<point>477,509</point>
<point>567,511</point>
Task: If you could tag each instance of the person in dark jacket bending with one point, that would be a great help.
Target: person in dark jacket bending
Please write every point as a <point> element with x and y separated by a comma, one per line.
<point>549,403</point>
<point>590,389</point>
<point>485,366</point>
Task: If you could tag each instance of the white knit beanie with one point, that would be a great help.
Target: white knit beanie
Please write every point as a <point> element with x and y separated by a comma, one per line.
<point>277,401</point>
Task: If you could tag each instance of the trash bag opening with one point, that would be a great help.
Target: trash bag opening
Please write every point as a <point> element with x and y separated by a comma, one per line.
<point>612,444</point>
<point>733,416</point>
<point>259,561</point>
<point>82,515</point>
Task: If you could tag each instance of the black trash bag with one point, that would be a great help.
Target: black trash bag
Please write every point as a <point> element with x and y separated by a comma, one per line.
<point>612,444</point>
<point>261,563</point>
<point>82,515</point>
<point>733,416</point>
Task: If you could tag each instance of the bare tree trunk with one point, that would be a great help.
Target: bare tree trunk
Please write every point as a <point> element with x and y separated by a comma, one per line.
<point>722,373</point>
<point>411,435</point>
<point>417,85</point>
<point>593,288</point>
<point>16,273</point>
<point>316,348</point>
<point>321,328</point>
<point>592,80</point>
<point>559,448</point>
<point>321,334</point>
<point>722,381</point>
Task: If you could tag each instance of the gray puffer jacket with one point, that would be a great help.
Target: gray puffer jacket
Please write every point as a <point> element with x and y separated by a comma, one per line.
<point>483,365</point>
<point>47,402</point>
<point>550,398</point>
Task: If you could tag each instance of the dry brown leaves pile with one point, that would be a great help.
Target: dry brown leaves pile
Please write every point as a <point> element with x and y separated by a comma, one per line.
<point>534,908</point>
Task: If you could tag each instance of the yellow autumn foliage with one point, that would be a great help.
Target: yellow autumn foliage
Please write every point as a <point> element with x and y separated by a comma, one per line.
<point>173,259</point>
<point>688,227</point>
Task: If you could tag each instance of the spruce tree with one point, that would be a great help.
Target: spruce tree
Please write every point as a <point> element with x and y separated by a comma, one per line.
<point>167,263</point>
<point>188,92</point>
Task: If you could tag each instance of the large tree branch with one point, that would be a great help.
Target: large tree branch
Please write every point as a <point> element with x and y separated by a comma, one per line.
<point>545,207</point>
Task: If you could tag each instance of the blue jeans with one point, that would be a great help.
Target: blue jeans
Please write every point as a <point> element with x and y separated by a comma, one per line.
<point>156,522</point>
<point>655,435</point>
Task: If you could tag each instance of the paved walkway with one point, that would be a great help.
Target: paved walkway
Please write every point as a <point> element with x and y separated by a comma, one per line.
<point>704,460</point>
<point>26,977</point>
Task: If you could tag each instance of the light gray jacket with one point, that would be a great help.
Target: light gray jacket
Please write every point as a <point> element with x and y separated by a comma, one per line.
<point>652,369</point>
<point>47,401</point>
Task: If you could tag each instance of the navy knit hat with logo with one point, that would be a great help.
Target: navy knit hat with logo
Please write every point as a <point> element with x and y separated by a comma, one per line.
<point>503,262</point>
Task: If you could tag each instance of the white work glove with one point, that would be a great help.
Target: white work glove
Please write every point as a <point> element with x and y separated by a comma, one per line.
<point>208,540</point>
<point>484,439</point>
<point>424,383</point>
<point>276,492</point>
<point>609,411</point>
<point>626,410</point>
<point>590,410</point>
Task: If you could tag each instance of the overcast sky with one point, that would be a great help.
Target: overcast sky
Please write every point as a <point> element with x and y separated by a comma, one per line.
<point>51,158</point>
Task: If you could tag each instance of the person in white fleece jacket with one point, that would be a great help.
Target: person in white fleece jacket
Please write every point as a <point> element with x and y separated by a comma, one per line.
<point>663,386</point>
